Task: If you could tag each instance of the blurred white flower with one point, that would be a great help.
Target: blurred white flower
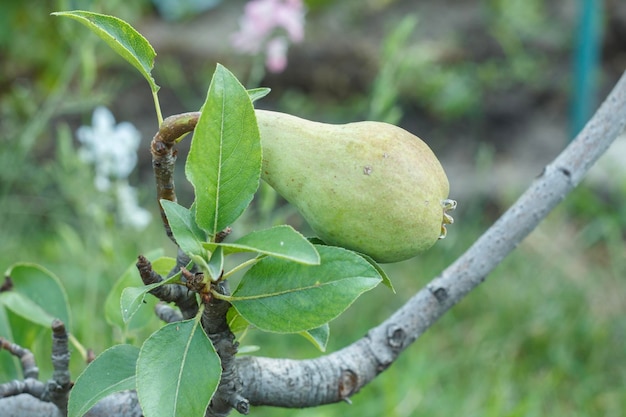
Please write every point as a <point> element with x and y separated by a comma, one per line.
<point>263,28</point>
<point>111,148</point>
<point>131,214</point>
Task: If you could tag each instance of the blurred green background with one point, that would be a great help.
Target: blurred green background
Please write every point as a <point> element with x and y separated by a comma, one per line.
<point>489,84</point>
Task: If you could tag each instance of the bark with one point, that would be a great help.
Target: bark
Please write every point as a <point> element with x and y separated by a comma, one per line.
<point>335,377</point>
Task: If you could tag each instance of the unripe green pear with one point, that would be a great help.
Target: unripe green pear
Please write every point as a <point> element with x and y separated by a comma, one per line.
<point>370,187</point>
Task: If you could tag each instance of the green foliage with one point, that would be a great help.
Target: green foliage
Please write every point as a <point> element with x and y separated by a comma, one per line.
<point>112,371</point>
<point>288,297</point>
<point>177,368</point>
<point>122,37</point>
<point>383,103</point>
<point>318,336</point>
<point>37,295</point>
<point>182,221</point>
<point>117,314</point>
<point>133,298</point>
<point>9,364</point>
<point>224,162</point>
<point>178,371</point>
<point>279,241</point>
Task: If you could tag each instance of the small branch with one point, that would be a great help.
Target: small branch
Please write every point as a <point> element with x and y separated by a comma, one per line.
<point>164,157</point>
<point>59,386</point>
<point>184,299</point>
<point>48,398</point>
<point>26,357</point>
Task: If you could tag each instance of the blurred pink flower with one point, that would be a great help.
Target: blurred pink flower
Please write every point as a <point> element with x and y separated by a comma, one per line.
<point>263,28</point>
<point>276,60</point>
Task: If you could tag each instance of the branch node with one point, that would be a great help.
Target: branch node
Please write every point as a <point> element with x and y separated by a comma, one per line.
<point>396,337</point>
<point>242,405</point>
<point>441,294</point>
<point>565,172</point>
<point>348,383</point>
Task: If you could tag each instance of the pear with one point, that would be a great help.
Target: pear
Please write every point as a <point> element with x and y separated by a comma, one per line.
<point>368,186</point>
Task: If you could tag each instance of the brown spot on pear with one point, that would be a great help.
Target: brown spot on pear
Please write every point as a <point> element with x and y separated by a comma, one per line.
<point>368,186</point>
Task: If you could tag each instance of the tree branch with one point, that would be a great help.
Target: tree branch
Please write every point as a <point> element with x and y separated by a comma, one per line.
<point>332,378</point>
<point>164,157</point>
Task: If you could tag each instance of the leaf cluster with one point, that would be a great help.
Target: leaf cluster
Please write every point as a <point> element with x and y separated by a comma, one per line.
<point>289,284</point>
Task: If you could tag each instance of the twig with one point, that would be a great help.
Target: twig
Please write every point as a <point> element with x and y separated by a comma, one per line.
<point>170,293</point>
<point>164,157</point>
<point>52,395</point>
<point>58,387</point>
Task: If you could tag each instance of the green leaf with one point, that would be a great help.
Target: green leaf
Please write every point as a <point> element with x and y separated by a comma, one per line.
<point>162,265</point>
<point>37,295</point>
<point>258,93</point>
<point>216,264</point>
<point>130,278</point>
<point>178,371</point>
<point>183,224</point>
<point>9,364</point>
<point>386,280</point>
<point>112,371</point>
<point>224,162</point>
<point>236,323</point>
<point>318,336</point>
<point>122,37</point>
<point>279,241</point>
<point>23,306</point>
<point>288,297</point>
<point>132,298</point>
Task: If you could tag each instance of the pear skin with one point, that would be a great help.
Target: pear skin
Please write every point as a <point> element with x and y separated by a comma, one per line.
<point>368,186</point>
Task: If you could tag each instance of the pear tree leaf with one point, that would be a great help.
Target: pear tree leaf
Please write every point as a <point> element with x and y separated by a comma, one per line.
<point>386,280</point>
<point>216,264</point>
<point>236,323</point>
<point>122,37</point>
<point>258,93</point>
<point>280,241</point>
<point>25,307</point>
<point>288,297</point>
<point>129,278</point>
<point>224,162</point>
<point>112,371</point>
<point>37,295</point>
<point>178,371</point>
<point>10,368</point>
<point>318,336</point>
<point>188,235</point>
<point>163,265</point>
<point>132,298</point>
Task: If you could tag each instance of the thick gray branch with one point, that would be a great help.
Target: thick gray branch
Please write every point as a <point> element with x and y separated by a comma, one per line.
<point>332,378</point>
